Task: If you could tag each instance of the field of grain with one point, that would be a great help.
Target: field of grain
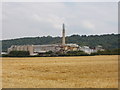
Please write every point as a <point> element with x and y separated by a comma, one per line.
<point>60,72</point>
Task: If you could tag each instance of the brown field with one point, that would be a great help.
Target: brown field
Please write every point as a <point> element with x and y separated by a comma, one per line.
<point>60,72</point>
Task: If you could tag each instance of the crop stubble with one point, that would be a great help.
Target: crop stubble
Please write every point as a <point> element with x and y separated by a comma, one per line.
<point>60,72</point>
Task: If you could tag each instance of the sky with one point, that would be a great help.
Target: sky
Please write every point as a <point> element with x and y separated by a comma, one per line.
<point>33,19</point>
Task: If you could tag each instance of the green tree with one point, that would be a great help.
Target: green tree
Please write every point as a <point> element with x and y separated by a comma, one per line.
<point>19,53</point>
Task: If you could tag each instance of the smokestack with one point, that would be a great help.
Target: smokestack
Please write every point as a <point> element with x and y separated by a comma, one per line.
<point>63,35</point>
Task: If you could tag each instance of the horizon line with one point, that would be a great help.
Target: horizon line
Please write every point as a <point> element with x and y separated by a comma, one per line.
<point>58,36</point>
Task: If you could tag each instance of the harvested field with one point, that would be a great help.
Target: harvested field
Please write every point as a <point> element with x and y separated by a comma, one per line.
<point>61,72</point>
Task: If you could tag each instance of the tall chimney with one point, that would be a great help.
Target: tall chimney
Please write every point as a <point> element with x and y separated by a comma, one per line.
<point>63,35</point>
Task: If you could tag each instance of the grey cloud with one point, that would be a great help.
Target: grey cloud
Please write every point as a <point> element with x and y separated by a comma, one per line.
<point>42,19</point>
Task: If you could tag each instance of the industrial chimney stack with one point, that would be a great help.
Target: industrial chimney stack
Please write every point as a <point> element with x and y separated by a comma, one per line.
<point>63,35</point>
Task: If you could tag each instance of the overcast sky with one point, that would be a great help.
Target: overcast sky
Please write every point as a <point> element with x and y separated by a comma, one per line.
<point>31,19</point>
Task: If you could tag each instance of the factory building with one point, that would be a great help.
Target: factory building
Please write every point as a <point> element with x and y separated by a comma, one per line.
<point>87,49</point>
<point>36,49</point>
<point>63,47</point>
<point>22,48</point>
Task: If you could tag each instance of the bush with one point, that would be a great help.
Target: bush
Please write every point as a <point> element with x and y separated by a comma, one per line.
<point>108,52</point>
<point>49,52</point>
<point>19,53</point>
<point>74,53</point>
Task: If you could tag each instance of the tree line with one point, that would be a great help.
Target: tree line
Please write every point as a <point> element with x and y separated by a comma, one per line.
<point>108,41</point>
<point>58,54</point>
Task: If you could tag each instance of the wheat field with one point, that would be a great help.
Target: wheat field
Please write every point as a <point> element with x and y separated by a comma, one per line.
<point>60,72</point>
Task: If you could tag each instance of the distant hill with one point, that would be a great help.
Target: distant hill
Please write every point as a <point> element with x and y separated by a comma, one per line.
<point>108,41</point>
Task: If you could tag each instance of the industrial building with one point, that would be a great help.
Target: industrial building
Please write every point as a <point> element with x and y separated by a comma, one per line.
<point>36,49</point>
<point>63,47</point>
